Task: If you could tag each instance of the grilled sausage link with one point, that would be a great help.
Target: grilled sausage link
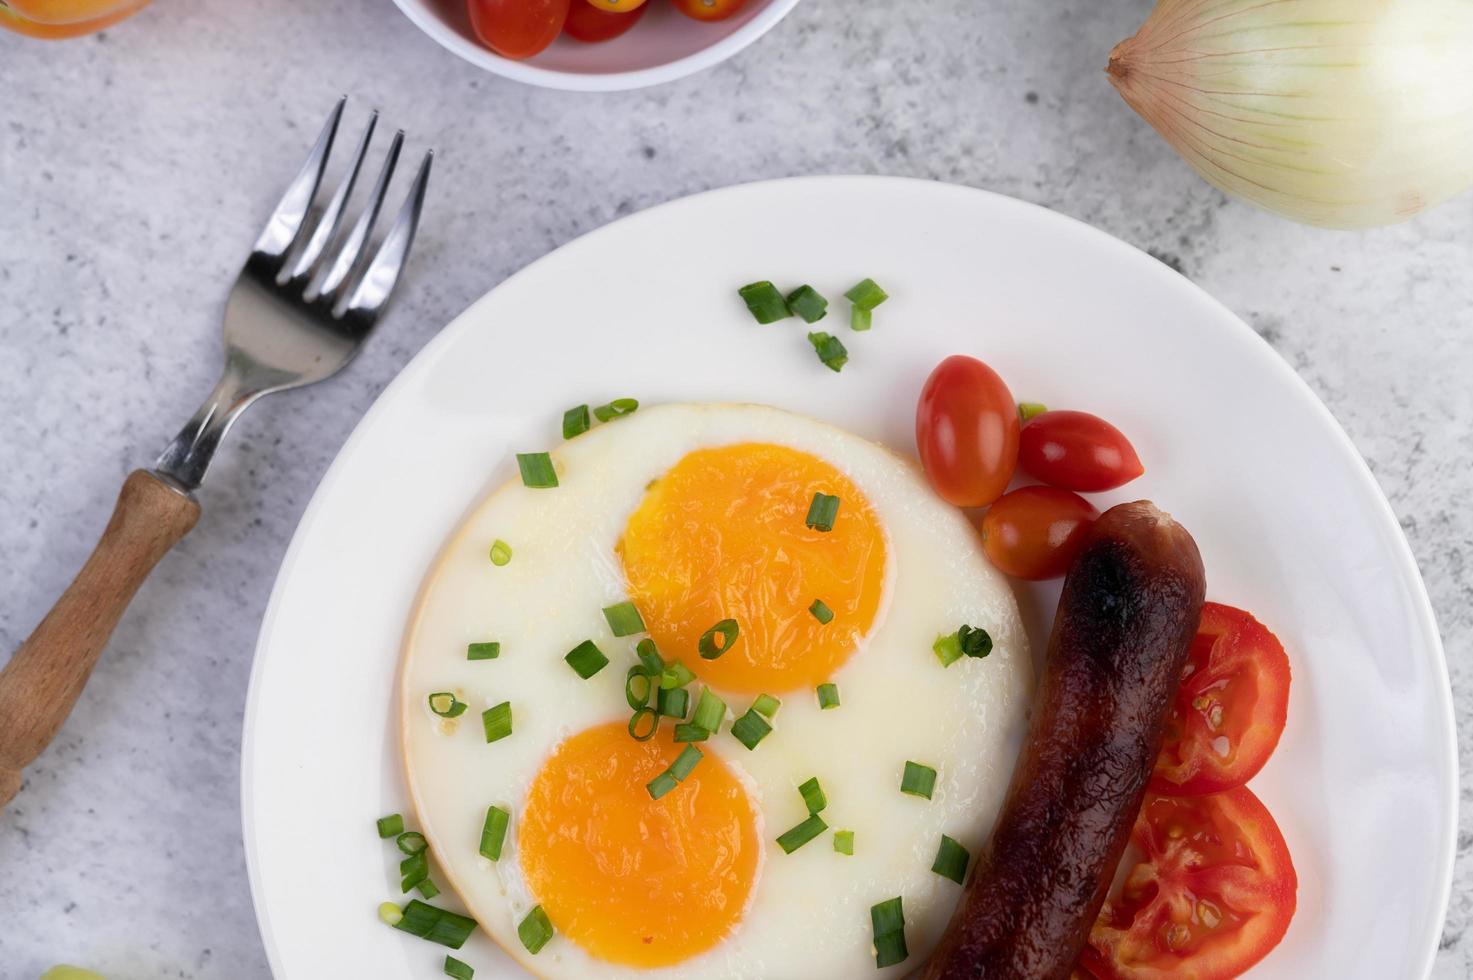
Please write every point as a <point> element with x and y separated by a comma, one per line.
<point>1124,626</point>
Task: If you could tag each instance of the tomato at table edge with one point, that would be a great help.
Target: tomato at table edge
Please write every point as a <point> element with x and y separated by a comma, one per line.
<point>1236,633</point>
<point>606,24</point>
<point>719,9</point>
<point>1077,451</point>
<point>1020,511</point>
<point>489,15</point>
<point>967,395</point>
<point>1244,812</point>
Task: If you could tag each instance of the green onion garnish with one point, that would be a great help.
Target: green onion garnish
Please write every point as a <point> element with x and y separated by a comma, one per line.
<point>860,319</point>
<point>685,762</point>
<point>867,295</point>
<point>844,842</point>
<point>728,630</point>
<point>537,471</point>
<point>710,710</point>
<point>616,409</point>
<point>413,870</point>
<point>427,888</point>
<point>445,704</point>
<point>974,642</point>
<point>496,721</point>
<point>661,784</point>
<point>650,657</point>
<point>828,696</point>
<point>765,302</point>
<point>887,919</point>
<point>823,510</point>
<point>675,675</point>
<point>586,659</point>
<point>636,722</point>
<point>802,834</point>
<point>390,826</point>
<point>460,971</point>
<point>624,619</point>
<point>575,421</point>
<point>751,728</point>
<point>830,349</point>
<point>813,796</point>
<point>673,703</point>
<point>535,931</point>
<point>948,649</point>
<point>435,924</point>
<point>1028,411</point>
<point>637,687</point>
<point>483,651</point>
<point>951,860</point>
<point>918,780</point>
<point>890,949</point>
<point>411,843</point>
<point>493,832</point>
<point>500,553</point>
<point>766,705</point>
<point>390,913</point>
<point>691,733</point>
<point>821,612</point>
<point>808,303</point>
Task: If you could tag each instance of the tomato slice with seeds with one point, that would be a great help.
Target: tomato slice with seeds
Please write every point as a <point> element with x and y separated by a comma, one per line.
<point>1230,709</point>
<point>1211,892</point>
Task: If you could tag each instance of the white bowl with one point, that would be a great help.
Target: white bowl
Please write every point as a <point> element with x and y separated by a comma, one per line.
<point>662,47</point>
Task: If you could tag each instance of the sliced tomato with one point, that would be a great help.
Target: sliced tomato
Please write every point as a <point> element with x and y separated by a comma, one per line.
<point>518,28</point>
<point>1210,894</point>
<point>1230,709</point>
<point>590,24</point>
<point>1077,451</point>
<point>710,9</point>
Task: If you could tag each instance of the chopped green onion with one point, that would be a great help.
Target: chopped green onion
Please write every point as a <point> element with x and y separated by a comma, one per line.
<point>823,510</point>
<point>637,687</point>
<point>974,642</point>
<point>446,705</point>
<point>751,728</point>
<point>390,826</point>
<point>710,710</point>
<point>635,732</point>
<point>890,949</point>
<point>951,860</point>
<point>844,842</point>
<point>389,913</point>
<point>624,619</point>
<point>673,703</point>
<point>765,302</point>
<point>1028,411</point>
<point>948,649</point>
<point>821,612</point>
<point>535,931</point>
<point>813,796</point>
<point>537,471</point>
<point>830,350</point>
<point>493,832</point>
<point>802,834</point>
<point>616,409</point>
<point>918,780</point>
<point>575,421</point>
<point>661,784</point>
<point>586,659</point>
<point>427,888</point>
<point>460,971</point>
<point>675,675</point>
<point>728,630</point>
<point>483,651</point>
<point>500,553</point>
<point>691,733</point>
<point>808,303</point>
<point>496,721</point>
<point>413,870</point>
<point>411,843</point>
<point>685,762</point>
<point>861,319</point>
<point>867,295</point>
<point>435,924</point>
<point>649,657</point>
<point>887,917</point>
<point>766,705</point>
<point>828,696</point>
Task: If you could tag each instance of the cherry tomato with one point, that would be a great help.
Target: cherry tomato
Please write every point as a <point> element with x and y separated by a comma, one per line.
<point>1033,533</point>
<point>1077,451</point>
<point>591,24</point>
<point>518,28</point>
<point>967,432</point>
<point>1212,891</point>
<point>616,6</point>
<point>710,9</point>
<point>1230,708</point>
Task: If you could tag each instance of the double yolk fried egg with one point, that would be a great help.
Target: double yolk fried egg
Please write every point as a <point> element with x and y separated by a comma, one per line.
<point>697,514</point>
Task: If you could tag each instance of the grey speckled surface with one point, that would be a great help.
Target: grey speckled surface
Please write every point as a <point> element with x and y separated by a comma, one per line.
<point>133,167</point>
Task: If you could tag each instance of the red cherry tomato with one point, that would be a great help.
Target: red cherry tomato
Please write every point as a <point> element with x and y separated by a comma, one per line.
<point>1230,708</point>
<point>1212,892</point>
<point>710,9</point>
<point>967,432</point>
<point>592,24</point>
<point>1077,451</point>
<point>1033,533</point>
<point>518,28</point>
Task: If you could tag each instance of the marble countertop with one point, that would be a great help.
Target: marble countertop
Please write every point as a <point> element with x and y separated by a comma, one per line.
<point>134,166</point>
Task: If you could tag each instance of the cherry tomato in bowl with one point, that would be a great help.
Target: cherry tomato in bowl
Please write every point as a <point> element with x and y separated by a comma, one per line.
<point>1230,709</point>
<point>591,24</point>
<point>1033,533</point>
<point>967,432</point>
<point>1077,451</point>
<point>710,9</point>
<point>616,6</point>
<point>518,28</point>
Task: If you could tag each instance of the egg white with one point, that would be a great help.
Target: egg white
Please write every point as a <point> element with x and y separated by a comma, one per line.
<point>808,916</point>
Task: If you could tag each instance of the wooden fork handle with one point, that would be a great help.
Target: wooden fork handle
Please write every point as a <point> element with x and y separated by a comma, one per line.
<point>43,680</point>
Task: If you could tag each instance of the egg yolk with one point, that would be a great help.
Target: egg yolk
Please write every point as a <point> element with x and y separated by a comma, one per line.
<point>630,879</point>
<point>723,535</point>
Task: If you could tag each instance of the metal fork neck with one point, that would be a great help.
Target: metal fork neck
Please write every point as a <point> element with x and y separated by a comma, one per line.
<point>189,455</point>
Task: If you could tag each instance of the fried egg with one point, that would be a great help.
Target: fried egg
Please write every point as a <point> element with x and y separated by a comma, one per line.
<point>697,514</point>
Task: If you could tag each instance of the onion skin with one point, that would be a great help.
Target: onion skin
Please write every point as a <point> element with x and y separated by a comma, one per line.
<point>1337,113</point>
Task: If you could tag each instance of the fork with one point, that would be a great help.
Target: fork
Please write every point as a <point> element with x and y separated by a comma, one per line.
<point>299,312</point>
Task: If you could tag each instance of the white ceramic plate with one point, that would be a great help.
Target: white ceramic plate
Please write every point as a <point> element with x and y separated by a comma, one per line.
<point>1289,520</point>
